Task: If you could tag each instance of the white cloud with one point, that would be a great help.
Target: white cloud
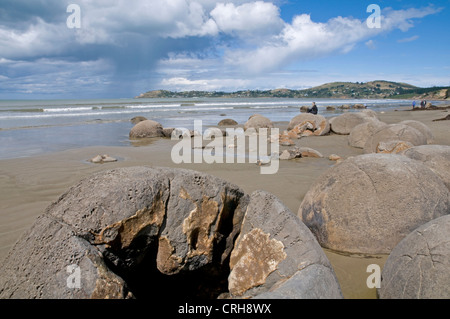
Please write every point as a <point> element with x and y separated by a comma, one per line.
<point>401,19</point>
<point>410,39</point>
<point>38,39</point>
<point>106,23</point>
<point>305,39</point>
<point>209,84</point>
<point>103,23</point>
<point>249,18</point>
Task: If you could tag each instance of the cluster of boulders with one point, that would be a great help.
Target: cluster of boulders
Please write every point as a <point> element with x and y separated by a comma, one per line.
<point>367,132</point>
<point>126,232</point>
<point>394,200</point>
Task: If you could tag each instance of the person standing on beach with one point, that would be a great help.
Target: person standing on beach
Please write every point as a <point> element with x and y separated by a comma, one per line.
<point>314,109</point>
<point>414,105</point>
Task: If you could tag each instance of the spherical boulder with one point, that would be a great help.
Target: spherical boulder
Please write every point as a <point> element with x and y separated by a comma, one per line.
<point>368,203</point>
<point>344,123</point>
<point>147,128</point>
<point>436,157</point>
<point>258,121</point>
<point>419,266</point>
<point>394,132</point>
<point>361,133</point>
<point>320,123</point>
<point>227,122</point>
<point>421,127</point>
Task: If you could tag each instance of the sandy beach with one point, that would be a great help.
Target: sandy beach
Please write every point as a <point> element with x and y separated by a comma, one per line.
<point>28,185</point>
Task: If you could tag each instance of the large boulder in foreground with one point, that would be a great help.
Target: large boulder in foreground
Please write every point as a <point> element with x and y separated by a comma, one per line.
<point>436,157</point>
<point>156,233</point>
<point>419,266</point>
<point>147,128</point>
<point>368,203</point>
<point>276,256</point>
<point>257,121</point>
<point>122,226</point>
<point>395,132</point>
<point>320,125</point>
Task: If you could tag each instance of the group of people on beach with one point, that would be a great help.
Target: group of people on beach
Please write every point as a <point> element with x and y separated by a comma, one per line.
<point>423,104</point>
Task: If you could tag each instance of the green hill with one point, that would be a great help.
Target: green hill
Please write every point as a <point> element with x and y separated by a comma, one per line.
<point>336,90</point>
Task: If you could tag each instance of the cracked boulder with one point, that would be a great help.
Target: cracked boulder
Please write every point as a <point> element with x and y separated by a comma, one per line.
<point>393,147</point>
<point>419,266</point>
<point>276,256</point>
<point>120,226</point>
<point>368,203</point>
<point>150,233</point>
<point>317,124</point>
<point>394,132</point>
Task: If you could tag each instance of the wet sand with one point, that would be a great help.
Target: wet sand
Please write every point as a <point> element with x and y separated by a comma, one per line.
<point>29,185</point>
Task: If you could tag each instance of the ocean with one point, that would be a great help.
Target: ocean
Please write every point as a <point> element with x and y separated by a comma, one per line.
<point>29,128</point>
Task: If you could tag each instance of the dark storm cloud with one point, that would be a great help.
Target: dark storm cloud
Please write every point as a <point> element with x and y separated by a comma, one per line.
<point>20,13</point>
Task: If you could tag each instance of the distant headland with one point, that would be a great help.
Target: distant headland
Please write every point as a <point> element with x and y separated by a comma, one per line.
<point>335,90</point>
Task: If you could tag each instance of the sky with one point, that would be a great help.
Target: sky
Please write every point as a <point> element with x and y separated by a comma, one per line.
<point>56,49</point>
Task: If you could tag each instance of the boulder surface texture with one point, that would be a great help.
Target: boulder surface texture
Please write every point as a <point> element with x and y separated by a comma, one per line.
<point>419,266</point>
<point>436,157</point>
<point>273,238</point>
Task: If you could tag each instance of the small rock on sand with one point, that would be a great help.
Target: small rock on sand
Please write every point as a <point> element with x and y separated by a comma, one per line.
<point>100,159</point>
